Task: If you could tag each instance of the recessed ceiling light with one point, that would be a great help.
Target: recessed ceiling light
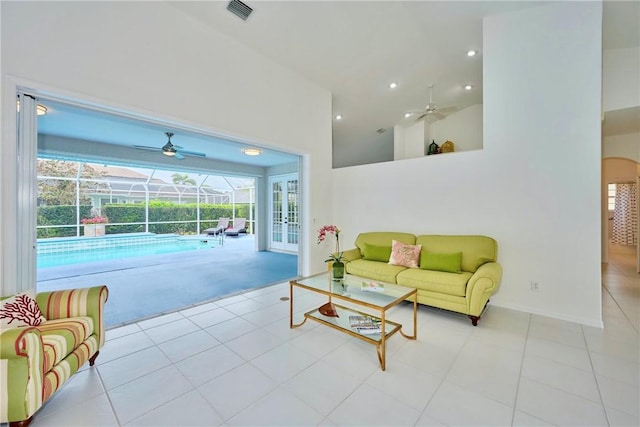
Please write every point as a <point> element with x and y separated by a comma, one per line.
<point>338,117</point>
<point>468,87</point>
<point>393,85</point>
<point>472,52</point>
<point>41,110</point>
<point>252,151</point>
<point>407,115</point>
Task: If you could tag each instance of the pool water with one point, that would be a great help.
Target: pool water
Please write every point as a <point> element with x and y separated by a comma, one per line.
<point>84,254</point>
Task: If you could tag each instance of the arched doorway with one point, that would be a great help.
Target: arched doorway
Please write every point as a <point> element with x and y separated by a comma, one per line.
<point>621,179</point>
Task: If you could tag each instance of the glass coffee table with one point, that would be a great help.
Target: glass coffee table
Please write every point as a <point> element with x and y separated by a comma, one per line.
<point>361,297</point>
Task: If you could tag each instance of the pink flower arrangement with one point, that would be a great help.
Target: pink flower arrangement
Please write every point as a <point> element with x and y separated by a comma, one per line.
<point>95,220</point>
<point>322,235</point>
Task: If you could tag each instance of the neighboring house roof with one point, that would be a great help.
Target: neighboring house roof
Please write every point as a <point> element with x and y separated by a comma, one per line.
<point>118,172</point>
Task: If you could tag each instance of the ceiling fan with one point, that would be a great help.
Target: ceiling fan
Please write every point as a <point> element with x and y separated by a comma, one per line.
<point>432,112</point>
<point>171,150</point>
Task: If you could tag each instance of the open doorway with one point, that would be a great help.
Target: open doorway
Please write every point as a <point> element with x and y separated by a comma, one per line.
<point>620,177</point>
<point>71,130</point>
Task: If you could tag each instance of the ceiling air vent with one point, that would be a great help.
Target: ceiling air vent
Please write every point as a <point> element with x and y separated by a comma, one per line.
<point>239,9</point>
<point>381,130</point>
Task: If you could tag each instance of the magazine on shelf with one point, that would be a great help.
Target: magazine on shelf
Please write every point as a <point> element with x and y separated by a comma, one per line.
<point>365,324</point>
<point>372,286</point>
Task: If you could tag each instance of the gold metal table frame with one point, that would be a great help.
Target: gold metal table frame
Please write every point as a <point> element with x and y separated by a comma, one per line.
<point>350,290</point>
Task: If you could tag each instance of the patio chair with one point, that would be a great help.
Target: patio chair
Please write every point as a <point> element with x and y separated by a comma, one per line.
<point>239,226</point>
<point>223,223</point>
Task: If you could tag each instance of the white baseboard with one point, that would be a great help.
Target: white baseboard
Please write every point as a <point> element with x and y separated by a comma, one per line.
<point>559,316</point>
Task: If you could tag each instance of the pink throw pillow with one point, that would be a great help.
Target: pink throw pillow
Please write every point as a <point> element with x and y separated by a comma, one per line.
<point>20,310</point>
<point>404,255</point>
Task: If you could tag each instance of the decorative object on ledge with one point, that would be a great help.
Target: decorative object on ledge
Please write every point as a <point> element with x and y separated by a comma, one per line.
<point>447,147</point>
<point>433,148</point>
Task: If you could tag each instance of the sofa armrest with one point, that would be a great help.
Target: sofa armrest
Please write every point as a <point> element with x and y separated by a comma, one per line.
<point>352,254</point>
<point>484,283</point>
<point>21,377</point>
<point>79,302</point>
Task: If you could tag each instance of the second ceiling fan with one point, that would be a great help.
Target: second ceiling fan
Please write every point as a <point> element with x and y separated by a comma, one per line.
<point>432,112</point>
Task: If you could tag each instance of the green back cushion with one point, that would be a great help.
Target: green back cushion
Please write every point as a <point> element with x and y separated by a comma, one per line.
<point>476,250</point>
<point>383,238</point>
<point>441,262</point>
<point>375,252</point>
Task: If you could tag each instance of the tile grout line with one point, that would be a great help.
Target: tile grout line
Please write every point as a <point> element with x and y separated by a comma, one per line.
<point>106,392</point>
<point>524,353</point>
<point>444,377</point>
<point>595,376</point>
<point>604,285</point>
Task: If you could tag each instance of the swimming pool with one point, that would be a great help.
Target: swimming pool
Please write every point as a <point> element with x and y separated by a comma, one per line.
<point>65,251</point>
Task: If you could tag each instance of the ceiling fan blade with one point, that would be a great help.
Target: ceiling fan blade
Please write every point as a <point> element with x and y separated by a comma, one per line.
<point>422,116</point>
<point>144,147</point>
<point>193,153</point>
<point>447,109</point>
<point>178,156</point>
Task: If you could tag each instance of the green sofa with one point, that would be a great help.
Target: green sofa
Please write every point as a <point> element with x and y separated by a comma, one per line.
<point>465,288</point>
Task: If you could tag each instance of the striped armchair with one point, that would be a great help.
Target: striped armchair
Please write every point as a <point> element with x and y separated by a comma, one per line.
<point>36,361</point>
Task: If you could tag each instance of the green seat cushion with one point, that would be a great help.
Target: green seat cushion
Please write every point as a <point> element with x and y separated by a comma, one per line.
<point>375,270</point>
<point>376,253</point>
<point>435,281</point>
<point>441,262</point>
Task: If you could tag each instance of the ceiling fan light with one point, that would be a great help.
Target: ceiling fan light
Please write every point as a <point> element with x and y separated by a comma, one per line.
<point>407,115</point>
<point>252,151</point>
<point>169,150</point>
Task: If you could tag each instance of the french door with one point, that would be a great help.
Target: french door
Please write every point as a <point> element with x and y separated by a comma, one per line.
<point>284,217</point>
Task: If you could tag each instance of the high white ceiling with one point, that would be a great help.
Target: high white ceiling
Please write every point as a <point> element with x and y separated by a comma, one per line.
<point>355,50</point>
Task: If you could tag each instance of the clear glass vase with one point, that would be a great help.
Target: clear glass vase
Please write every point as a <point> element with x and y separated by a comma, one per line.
<point>337,270</point>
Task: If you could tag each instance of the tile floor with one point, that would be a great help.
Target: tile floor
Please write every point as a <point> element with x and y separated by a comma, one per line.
<point>236,362</point>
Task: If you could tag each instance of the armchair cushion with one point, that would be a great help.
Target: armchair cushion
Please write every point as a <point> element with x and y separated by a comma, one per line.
<point>20,310</point>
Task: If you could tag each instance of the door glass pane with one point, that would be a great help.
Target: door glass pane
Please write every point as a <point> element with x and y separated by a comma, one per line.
<point>276,209</point>
<point>292,212</point>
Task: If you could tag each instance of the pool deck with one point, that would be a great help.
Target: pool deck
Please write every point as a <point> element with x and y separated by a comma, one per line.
<point>145,286</point>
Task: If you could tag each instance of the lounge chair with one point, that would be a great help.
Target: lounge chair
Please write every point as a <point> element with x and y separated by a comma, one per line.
<point>223,223</point>
<point>239,226</point>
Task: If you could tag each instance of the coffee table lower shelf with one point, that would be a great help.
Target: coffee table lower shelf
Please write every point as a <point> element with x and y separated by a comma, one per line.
<point>343,324</point>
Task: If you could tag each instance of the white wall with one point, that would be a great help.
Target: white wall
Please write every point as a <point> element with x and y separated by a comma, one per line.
<point>620,82</point>
<point>543,211</point>
<point>409,140</point>
<point>627,146</point>
<point>149,59</point>
<point>463,128</point>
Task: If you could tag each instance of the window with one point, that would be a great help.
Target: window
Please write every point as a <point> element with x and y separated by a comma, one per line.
<point>612,197</point>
